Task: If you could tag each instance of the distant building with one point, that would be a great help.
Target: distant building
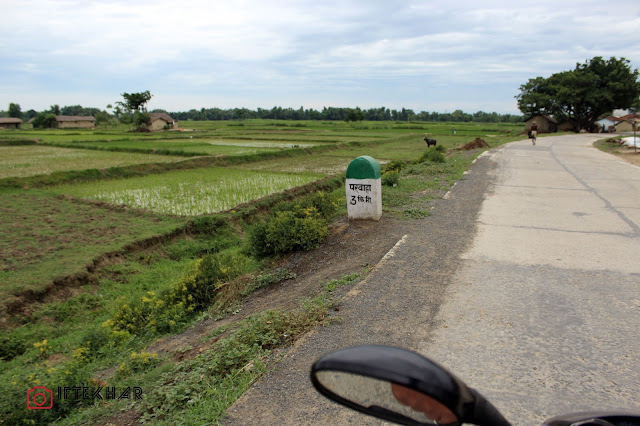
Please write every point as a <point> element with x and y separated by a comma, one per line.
<point>626,123</point>
<point>567,126</point>
<point>161,121</point>
<point>606,123</point>
<point>74,122</point>
<point>546,124</point>
<point>10,123</point>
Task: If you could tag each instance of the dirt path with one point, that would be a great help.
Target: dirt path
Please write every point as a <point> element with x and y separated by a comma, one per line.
<point>395,305</point>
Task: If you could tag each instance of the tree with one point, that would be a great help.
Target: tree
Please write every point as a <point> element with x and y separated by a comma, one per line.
<point>583,94</point>
<point>44,120</point>
<point>29,114</point>
<point>137,101</point>
<point>14,110</point>
<point>54,109</point>
<point>133,109</point>
<point>354,115</point>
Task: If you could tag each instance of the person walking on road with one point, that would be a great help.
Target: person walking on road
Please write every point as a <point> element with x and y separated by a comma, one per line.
<point>534,132</point>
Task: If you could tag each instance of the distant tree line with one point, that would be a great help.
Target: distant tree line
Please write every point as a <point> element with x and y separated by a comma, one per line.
<point>341,114</point>
<point>118,114</point>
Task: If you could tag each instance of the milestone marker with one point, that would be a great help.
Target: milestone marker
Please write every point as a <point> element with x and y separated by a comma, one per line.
<point>364,189</point>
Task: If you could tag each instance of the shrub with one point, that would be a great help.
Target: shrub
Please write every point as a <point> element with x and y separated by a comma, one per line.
<point>11,347</point>
<point>432,155</point>
<point>390,178</point>
<point>322,203</point>
<point>137,362</point>
<point>256,242</point>
<point>299,225</point>
<point>393,166</point>
<point>193,293</point>
<point>285,232</point>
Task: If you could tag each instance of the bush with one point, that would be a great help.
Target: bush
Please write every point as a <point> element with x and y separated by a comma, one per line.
<point>390,178</point>
<point>322,203</point>
<point>298,225</point>
<point>137,362</point>
<point>286,232</point>
<point>432,155</point>
<point>193,293</point>
<point>11,347</point>
<point>393,166</point>
<point>319,204</point>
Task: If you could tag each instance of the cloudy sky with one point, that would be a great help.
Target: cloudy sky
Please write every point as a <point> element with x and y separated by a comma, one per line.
<point>431,55</point>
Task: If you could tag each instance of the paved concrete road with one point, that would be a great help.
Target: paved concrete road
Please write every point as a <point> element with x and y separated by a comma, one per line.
<point>544,315</point>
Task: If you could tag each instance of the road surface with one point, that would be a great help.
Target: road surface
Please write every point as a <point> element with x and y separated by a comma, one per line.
<point>524,282</point>
<point>544,316</point>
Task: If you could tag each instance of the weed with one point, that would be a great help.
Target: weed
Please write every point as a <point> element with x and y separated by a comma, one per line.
<point>416,213</point>
<point>267,279</point>
<point>344,280</point>
<point>204,387</point>
<point>137,362</point>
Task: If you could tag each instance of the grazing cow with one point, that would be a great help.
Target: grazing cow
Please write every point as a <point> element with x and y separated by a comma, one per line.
<point>430,141</point>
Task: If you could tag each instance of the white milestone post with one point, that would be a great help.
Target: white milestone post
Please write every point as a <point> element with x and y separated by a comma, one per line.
<point>364,189</point>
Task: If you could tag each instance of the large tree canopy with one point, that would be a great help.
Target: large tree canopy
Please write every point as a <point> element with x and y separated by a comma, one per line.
<point>582,95</point>
<point>133,109</point>
<point>15,111</point>
<point>137,101</point>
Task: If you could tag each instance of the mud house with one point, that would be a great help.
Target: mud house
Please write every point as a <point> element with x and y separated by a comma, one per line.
<point>161,121</point>
<point>626,123</point>
<point>567,126</point>
<point>545,124</point>
<point>10,123</point>
<point>74,122</point>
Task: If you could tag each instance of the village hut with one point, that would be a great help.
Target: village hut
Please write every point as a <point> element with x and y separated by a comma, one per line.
<point>627,122</point>
<point>567,126</point>
<point>160,121</point>
<point>10,123</point>
<point>546,124</point>
<point>74,122</point>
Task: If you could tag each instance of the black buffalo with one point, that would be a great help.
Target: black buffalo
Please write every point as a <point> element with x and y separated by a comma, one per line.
<point>430,141</point>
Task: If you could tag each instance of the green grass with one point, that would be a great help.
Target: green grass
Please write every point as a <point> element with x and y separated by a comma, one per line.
<point>21,161</point>
<point>187,147</point>
<point>46,237</point>
<point>188,192</point>
<point>420,183</point>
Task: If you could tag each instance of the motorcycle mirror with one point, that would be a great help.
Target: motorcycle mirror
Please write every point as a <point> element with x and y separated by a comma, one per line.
<point>400,386</point>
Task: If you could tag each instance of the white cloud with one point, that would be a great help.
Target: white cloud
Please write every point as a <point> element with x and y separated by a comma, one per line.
<point>305,52</point>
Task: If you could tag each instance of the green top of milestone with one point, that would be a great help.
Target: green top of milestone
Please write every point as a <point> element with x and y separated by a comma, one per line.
<point>364,167</point>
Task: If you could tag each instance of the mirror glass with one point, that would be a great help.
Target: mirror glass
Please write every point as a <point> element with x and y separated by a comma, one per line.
<point>379,396</point>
